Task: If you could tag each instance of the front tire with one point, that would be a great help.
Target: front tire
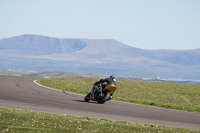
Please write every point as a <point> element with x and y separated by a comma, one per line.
<point>87,98</point>
<point>105,98</point>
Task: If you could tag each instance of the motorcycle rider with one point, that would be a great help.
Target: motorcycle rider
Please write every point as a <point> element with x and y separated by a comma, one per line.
<point>101,83</point>
<point>110,81</point>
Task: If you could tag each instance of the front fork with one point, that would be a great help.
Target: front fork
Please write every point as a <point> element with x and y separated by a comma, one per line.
<point>100,90</point>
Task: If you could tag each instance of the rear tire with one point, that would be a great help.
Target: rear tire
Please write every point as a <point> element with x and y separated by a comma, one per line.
<point>105,98</point>
<point>87,98</point>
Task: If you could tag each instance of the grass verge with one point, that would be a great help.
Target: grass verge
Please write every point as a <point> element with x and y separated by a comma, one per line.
<point>23,121</point>
<point>161,94</point>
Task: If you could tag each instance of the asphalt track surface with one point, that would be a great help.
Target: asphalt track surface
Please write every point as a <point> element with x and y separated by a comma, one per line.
<point>23,93</point>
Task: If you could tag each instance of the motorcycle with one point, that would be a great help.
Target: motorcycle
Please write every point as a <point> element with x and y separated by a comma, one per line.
<point>100,94</point>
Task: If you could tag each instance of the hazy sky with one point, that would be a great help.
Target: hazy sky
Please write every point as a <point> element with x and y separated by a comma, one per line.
<point>147,24</point>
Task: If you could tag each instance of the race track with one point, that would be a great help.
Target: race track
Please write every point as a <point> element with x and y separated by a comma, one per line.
<point>23,93</point>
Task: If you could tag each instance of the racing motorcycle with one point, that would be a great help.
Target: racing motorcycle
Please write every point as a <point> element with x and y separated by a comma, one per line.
<point>100,94</point>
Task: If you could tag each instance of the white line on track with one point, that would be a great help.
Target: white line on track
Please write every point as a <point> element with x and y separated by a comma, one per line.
<point>35,81</point>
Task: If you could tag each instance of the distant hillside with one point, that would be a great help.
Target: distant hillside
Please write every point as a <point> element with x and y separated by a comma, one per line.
<point>39,45</point>
<point>93,50</point>
<point>52,74</point>
<point>101,56</point>
<point>11,73</point>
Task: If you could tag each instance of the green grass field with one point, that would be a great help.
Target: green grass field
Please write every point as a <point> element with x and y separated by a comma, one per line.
<point>23,121</point>
<point>161,94</point>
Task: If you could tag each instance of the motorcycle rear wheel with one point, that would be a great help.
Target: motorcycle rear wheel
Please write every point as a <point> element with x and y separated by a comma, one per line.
<point>104,98</point>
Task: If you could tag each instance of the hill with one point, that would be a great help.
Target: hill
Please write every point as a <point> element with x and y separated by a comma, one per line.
<point>101,56</point>
<point>52,74</point>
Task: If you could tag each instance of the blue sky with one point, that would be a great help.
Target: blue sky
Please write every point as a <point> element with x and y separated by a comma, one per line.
<point>146,24</point>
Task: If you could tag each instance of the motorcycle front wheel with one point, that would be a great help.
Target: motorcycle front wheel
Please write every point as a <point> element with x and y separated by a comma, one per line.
<point>87,98</point>
<point>104,98</point>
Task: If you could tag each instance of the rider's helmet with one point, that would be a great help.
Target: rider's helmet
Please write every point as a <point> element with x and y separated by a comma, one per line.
<point>113,78</point>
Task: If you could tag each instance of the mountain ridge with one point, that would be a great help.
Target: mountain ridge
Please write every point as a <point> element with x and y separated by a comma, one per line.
<point>99,53</point>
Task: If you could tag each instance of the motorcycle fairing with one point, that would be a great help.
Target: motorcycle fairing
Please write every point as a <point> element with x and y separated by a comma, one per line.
<point>111,88</point>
